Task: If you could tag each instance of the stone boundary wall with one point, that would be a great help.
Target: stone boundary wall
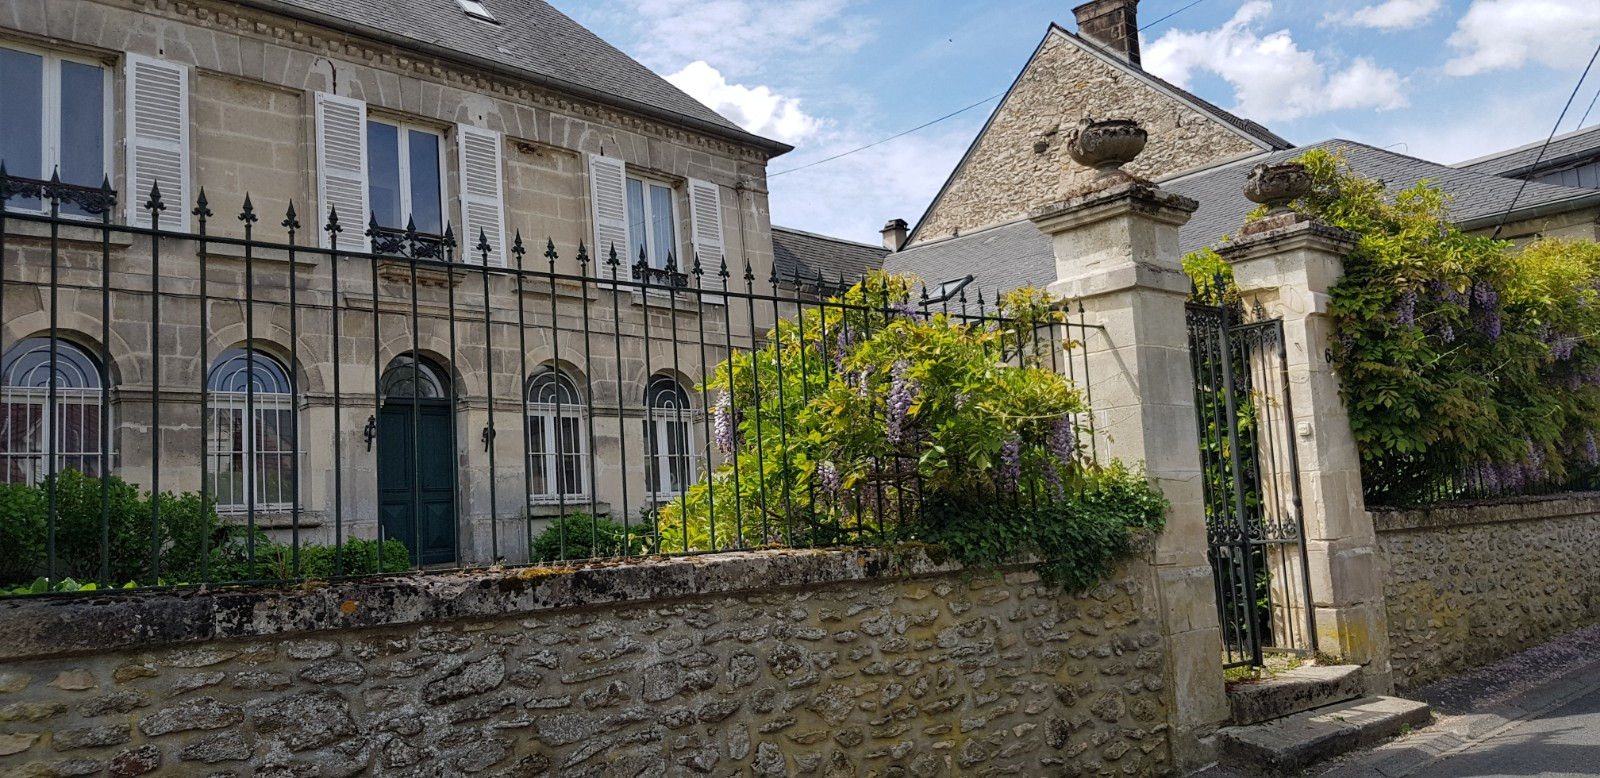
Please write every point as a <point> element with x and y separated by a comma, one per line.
<point>835,663</point>
<point>1468,584</point>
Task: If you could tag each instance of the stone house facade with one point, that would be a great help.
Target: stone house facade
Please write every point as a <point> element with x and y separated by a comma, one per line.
<point>278,370</point>
<point>1019,160</point>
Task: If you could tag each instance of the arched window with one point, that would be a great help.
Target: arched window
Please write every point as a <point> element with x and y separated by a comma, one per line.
<point>556,439</point>
<point>667,434</point>
<point>29,421</point>
<point>250,447</point>
<point>408,378</point>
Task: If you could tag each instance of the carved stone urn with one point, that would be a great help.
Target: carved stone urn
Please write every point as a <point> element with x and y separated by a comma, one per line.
<point>1106,144</point>
<point>1275,186</point>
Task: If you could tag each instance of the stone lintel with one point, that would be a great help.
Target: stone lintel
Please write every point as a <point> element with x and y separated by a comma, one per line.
<point>1119,195</point>
<point>1137,275</point>
<point>1282,238</point>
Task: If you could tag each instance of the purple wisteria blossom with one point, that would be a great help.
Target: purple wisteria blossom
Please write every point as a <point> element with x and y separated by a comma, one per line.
<point>1406,312</point>
<point>726,425</point>
<point>902,392</point>
<point>1011,463</point>
<point>1063,440</point>
<point>1590,449</point>
<point>828,477</point>
<point>846,339</point>
<point>1562,347</point>
<point>907,310</point>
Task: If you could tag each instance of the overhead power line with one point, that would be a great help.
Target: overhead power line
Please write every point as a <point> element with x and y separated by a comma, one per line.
<point>1548,138</point>
<point>951,115</point>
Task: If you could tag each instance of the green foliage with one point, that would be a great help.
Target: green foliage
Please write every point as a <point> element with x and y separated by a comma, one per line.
<point>113,521</point>
<point>582,536</point>
<point>1461,357</point>
<point>855,420</point>
<point>1078,541</point>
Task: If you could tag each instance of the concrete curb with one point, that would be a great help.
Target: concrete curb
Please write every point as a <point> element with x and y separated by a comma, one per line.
<point>1451,734</point>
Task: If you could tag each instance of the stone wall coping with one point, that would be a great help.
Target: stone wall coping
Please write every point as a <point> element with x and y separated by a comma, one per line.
<point>1498,511</point>
<point>59,625</point>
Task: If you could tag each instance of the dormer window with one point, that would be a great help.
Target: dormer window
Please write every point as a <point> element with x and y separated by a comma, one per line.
<point>477,10</point>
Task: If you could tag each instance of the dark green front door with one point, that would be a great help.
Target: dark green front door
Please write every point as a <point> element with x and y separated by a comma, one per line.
<point>416,494</point>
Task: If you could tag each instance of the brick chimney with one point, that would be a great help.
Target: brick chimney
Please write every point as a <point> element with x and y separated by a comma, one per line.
<point>1113,24</point>
<point>894,234</point>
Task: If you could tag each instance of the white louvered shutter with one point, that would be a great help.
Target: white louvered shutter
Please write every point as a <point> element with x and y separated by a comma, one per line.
<point>482,194</point>
<point>608,199</point>
<point>705,221</point>
<point>342,168</point>
<point>157,148</point>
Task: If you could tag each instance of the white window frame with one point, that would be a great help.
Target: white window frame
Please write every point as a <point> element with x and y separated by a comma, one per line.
<point>658,424</point>
<point>658,263</point>
<point>403,132</point>
<point>548,459</point>
<point>50,129</point>
<point>222,404</point>
<point>37,399</point>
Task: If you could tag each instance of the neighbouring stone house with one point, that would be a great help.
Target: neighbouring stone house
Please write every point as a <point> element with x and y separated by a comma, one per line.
<point>305,387</point>
<point>1018,161</point>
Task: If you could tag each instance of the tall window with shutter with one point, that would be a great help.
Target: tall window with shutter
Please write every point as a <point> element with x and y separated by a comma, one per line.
<point>342,166</point>
<point>158,140</point>
<point>53,119</point>
<point>482,194</point>
<point>705,221</point>
<point>608,205</point>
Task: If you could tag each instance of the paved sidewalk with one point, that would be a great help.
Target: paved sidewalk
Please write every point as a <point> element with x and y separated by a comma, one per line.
<point>1533,714</point>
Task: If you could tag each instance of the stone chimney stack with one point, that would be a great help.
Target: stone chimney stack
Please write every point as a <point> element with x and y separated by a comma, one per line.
<point>894,234</point>
<point>1113,24</point>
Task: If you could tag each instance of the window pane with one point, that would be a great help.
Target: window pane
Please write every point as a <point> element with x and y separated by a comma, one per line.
<point>426,205</point>
<point>636,222</point>
<point>661,228</point>
<point>537,459</point>
<point>82,124</point>
<point>21,117</point>
<point>383,173</point>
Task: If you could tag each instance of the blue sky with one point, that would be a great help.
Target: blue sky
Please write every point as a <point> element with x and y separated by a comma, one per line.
<point>1440,79</point>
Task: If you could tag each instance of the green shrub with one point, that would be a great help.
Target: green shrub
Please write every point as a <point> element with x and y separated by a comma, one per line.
<point>1078,539</point>
<point>22,531</point>
<point>582,536</point>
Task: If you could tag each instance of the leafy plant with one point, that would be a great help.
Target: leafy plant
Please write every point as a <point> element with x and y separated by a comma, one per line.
<point>872,421</point>
<point>1465,362</point>
<point>582,536</point>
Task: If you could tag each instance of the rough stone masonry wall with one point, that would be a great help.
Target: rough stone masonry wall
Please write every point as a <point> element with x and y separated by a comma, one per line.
<point>869,663</point>
<point>1020,159</point>
<point>1467,585</point>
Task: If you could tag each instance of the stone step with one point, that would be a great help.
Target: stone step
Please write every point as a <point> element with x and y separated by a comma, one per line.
<point>1303,688</point>
<point>1293,742</point>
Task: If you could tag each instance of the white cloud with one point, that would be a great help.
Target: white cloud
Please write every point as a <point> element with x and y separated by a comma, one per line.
<point>1272,78</point>
<point>738,35</point>
<point>1501,34</point>
<point>757,109</point>
<point>1388,15</point>
<point>853,196</point>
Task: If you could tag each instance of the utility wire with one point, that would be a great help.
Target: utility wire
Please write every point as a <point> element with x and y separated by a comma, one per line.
<point>951,115</point>
<point>1170,15</point>
<point>1550,137</point>
<point>1587,110</point>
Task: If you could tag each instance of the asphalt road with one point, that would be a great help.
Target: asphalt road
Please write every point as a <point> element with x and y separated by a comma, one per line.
<point>1560,742</point>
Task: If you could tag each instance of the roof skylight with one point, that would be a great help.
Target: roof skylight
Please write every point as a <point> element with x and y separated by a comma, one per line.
<point>477,10</point>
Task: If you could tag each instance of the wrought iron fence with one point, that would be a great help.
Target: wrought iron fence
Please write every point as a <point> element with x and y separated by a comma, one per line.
<point>183,407</point>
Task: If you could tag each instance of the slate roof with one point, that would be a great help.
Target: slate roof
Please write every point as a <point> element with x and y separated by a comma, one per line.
<point>1018,254</point>
<point>807,254</point>
<point>1565,150</point>
<point>532,40</point>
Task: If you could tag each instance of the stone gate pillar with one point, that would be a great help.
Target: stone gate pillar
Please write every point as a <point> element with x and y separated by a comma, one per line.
<point>1116,249</point>
<point>1287,263</point>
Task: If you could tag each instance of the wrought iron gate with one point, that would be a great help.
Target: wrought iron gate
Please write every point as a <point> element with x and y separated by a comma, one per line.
<point>1254,528</point>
